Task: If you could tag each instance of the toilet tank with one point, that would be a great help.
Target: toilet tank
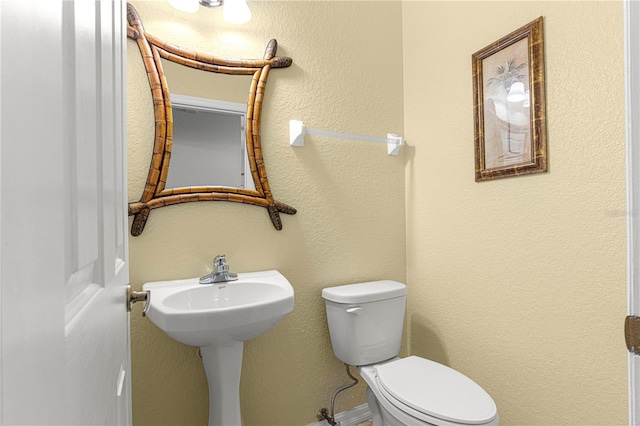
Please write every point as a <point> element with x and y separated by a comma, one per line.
<point>365,320</point>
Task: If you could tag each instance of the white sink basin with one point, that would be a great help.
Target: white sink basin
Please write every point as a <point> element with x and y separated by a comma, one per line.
<point>219,318</point>
<point>206,314</point>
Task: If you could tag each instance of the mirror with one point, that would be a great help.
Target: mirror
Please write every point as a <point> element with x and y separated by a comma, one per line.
<point>209,115</point>
<point>157,193</point>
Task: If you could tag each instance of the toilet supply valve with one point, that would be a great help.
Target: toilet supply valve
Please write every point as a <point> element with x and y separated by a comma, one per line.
<point>329,415</point>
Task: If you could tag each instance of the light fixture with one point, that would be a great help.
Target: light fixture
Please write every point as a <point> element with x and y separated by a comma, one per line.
<point>211,3</point>
<point>188,6</point>
<point>516,92</point>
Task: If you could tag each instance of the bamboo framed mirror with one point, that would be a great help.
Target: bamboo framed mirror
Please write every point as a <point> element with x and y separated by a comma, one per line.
<point>155,194</point>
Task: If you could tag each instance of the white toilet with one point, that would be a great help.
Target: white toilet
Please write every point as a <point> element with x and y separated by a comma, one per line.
<point>365,324</point>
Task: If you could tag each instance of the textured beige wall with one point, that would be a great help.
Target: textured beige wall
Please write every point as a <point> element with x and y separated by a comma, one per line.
<point>350,226</point>
<point>520,282</point>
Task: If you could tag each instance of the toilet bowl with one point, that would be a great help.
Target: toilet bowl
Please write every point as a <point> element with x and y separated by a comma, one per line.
<point>417,391</point>
<point>365,324</point>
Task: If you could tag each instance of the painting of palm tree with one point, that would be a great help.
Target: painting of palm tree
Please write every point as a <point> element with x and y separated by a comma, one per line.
<point>507,117</point>
<point>509,105</point>
<point>505,75</point>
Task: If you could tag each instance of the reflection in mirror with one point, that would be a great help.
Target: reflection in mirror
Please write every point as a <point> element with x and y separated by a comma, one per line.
<point>209,111</point>
<point>209,143</point>
<point>210,85</point>
<point>157,193</point>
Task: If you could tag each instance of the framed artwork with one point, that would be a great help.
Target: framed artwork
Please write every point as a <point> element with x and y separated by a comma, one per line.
<point>509,105</point>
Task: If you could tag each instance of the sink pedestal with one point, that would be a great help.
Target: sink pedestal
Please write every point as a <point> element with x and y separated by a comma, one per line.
<point>218,318</point>
<point>223,364</point>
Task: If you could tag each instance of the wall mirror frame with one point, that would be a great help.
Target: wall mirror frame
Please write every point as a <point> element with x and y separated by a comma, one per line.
<point>155,195</point>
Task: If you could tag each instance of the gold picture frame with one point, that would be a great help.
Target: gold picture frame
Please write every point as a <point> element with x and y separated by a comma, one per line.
<point>509,105</point>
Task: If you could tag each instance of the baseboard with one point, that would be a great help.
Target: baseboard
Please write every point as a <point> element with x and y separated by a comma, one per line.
<point>352,417</point>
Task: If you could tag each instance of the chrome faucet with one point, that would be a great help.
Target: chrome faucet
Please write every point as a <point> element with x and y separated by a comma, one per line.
<point>220,272</point>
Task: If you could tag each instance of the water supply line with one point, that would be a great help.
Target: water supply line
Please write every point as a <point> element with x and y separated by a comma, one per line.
<point>323,413</point>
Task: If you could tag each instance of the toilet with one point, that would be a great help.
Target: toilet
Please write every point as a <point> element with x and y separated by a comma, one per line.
<point>365,323</point>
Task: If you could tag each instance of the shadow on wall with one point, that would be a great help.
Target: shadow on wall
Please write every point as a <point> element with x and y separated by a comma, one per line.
<point>425,341</point>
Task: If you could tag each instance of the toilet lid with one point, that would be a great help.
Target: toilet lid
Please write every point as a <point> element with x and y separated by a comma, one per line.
<point>435,390</point>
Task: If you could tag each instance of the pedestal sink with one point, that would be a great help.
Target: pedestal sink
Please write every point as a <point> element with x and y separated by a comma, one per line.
<point>219,318</point>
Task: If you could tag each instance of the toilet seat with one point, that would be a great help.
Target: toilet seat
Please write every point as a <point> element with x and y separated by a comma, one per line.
<point>428,390</point>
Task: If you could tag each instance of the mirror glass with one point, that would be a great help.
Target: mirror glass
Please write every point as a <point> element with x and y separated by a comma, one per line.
<point>209,114</point>
<point>188,81</point>
<point>208,146</point>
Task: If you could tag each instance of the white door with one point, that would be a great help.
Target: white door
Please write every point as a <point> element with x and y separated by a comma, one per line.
<point>64,349</point>
<point>632,118</point>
